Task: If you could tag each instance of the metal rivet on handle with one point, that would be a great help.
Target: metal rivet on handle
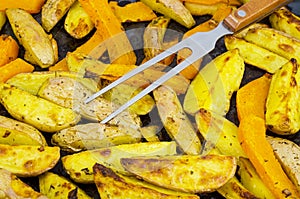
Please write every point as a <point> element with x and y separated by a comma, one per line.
<point>241,13</point>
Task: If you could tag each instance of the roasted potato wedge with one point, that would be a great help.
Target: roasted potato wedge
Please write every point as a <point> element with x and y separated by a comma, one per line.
<point>288,154</point>
<point>113,185</point>
<point>32,36</point>
<point>214,85</point>
<point>12,187</point>
<point>13,132</point>
<point>282,105</point>
<point>192,170</point>
<point>55,186</point>
<point>78,23</point>
<point>53,11</point>
<point>2,19</point>
<point>27,161</point>
<point>175,121</point>
<point>173,9</point>
<point>80,165</point>
<point>40,113</point>
<point>93,136</point>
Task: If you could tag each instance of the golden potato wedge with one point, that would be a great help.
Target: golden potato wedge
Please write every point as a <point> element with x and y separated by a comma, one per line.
<point>78,23</point>
<point>27,161</point>
<point>214,85</point>
<point>251,180</point>
<point>282,105</point>
<point>255,55</point>
<point>175,121</point>
<point>32,36</point>
<point>80,165</point>
<point>187,173</point>
<point>173,9</point>
<point>40,113</point>
<point>53,11</point>
<point>12,187</point>
<point>219,132</point>
<point>55,186</point>
<point>93,136</point>
<point>13,132</point>
<point>113,185</point>
<point>286,21</point>
<point>197,9</point>
<point>2,19</point>
<point>276,41</point>
<point>288,154</point>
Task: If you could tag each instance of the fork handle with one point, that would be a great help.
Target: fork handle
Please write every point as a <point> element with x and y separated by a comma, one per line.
<point>251,12</point>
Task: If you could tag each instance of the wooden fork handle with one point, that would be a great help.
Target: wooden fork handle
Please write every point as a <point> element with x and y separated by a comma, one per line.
<point>251,12</point>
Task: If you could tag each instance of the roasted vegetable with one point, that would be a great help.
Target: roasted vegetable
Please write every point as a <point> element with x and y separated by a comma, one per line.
<point>53,11</point>
<point>31,6</point>
<point>193,172</point>
<point>214,85</point>
<point>175,121</point>
<point>288,154</point>
<point>260,153</point>
<point>32,36</point>
<point>173,9</point>
<point>94,135</point>
<point>78,23</point>
<point>40,113</point>
<point>13,132</point>
<point>255,55</point>
<point>26,161</point>
<point>2,19</point>
<point>13,68</point>
<point>251,180</point>
<point>219,132</point>
<point>9,50</point>
<point>12,187</point>
<point>80,165</point>
<point>284,20</point>
<point>132,12</point>
<point>55,186</point>
<point>282,106</point>
<point>113,185</point>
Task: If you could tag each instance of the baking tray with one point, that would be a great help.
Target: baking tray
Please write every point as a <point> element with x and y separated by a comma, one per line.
<point>135,34</point>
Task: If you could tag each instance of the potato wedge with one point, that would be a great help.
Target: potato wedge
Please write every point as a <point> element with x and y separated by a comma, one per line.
<point>173,9</point>
<point>219,132</point>
<point>255,55</point>
<point>214,85</point>
<point>113,185</point>
<point>288,154</point>
<point>32,36</point>
<point>27,161</point>
<point>197,9</point>
<point>282,115</point>
<point>93,136</point>
<point>12,187</point>
<point>175,121</point>
<point>55,186</point>
<point>80,165</point>
<point>2,19</point>
<point>13,132</point>
<point>78,23</point>
<point>53,11</point>
<point>40,113</point>
<point>286,21</point>
<point>193,172</point>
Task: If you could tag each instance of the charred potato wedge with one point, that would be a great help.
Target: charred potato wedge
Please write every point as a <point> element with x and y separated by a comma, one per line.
<point>113,185</point>
<point>78,23</point>
<point>55,186</point>
<point>13,132</point>
<point>53,11</point>
<point>32,36</point>
<point>193,172</point>
<point>40,113</point>
<point>28,161</point>
<point>282,105</point>
<point>12,187</point>
<point>80,165</point>
<point>93,136</point>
